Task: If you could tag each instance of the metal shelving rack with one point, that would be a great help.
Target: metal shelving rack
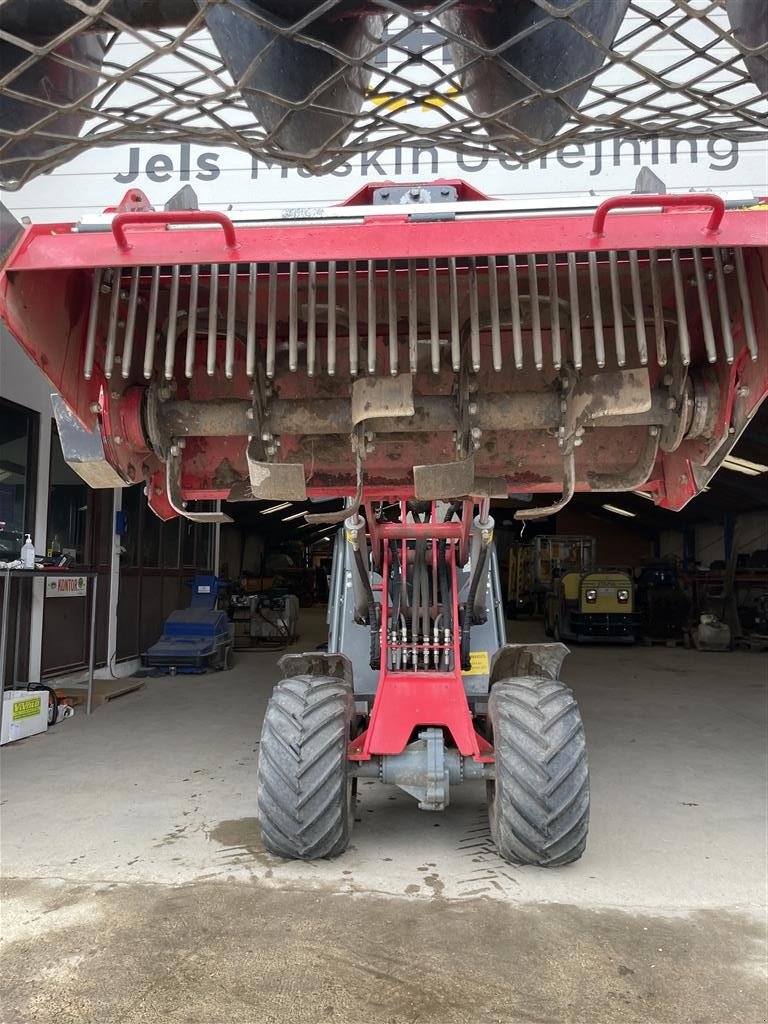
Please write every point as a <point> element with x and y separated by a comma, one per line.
<point>7,576</point>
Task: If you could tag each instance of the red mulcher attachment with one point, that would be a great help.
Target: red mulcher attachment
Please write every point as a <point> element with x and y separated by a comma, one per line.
<point>424,339</point>
<point>418,351</point>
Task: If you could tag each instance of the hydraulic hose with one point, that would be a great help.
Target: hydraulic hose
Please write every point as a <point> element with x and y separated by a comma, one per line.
<point>425,602</point>
<point>446,605</point>
<point>397,582</point>
<point>416,597</point>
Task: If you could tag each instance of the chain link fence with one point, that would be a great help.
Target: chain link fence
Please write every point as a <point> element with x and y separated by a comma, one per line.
<point>309,83</point>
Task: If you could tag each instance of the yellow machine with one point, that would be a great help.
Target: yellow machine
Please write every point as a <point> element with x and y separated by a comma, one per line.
<point>534,569</point>
<point>595,605</point>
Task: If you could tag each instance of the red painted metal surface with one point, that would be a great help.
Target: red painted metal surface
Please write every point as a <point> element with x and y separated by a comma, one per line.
<point>44,248</point>
<point>45,295</point>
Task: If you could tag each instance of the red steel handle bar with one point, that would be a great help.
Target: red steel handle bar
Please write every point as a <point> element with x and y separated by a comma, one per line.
<point>643,202</point>
<point>186,217</point>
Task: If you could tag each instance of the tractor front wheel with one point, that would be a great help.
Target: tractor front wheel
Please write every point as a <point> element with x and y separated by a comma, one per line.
<point>538,804</point>
<point>304,788</point>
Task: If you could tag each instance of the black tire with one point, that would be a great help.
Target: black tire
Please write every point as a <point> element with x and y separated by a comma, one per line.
<point>304,787</point>
<point>538,805</point>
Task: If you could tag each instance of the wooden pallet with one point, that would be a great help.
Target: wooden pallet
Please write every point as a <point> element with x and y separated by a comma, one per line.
<point>105,690</point>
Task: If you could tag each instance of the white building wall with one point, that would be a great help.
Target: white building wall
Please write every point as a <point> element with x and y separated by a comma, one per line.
<point>23,383</point>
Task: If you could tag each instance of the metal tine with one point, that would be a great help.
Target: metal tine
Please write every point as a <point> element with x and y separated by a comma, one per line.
<point>392,318</point>
<point>272,320</point>
<point>514,302</point>
<point>474,316</point>
<point>213,316</point>
<point>434,318</point>
<point>194,289</point>
<point>372,316</point>
<point>658,309</point>
<point>682,320</point>
<point>637,306</point>
<point>250,331</point>
<point>573,294</point>
<point>293,317</point>
<point>618,312</point>
<point>149,345</point>
<point>173,309</point>
<point>493,297</point>
<point>706,314</point>
<point>597,310</point>
<point>352,309</point>
<point>130,322</point>
<point>533,291</point>
<point>114,308</point>
<point>554,312</point>
<point>722,301</point>
<point>229,351</point>
<point>311,316</point>
<point>93,319</point>
<point>455,327</point>
<point>413,318</point>
<point>746,303</point>
<point>331,318</point>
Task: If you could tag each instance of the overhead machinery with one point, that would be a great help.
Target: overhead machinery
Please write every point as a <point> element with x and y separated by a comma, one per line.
<point>417,351</point>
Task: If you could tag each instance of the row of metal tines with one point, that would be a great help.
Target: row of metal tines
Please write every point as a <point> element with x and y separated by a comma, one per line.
<point>438,305</point>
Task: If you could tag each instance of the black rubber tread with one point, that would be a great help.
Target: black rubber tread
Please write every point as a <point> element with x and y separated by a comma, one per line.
<point>538,805</point>
<point>304,794</point>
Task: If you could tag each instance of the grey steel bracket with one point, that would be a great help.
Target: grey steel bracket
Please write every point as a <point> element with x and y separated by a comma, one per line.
<point>283,481</point>
<point>83,449</point>
<point>569,488</point>
<point>177,503</point>
<point>636,475</point>
<point>404,195</point>
<point>583,399</point>
<point>612,393</point>
<point>444,480</point>
<point>334,518</point>
<point>382,397</point>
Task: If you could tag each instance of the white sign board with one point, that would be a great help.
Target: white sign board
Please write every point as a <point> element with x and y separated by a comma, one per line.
<point>66,586</point>
<point>230,178</point>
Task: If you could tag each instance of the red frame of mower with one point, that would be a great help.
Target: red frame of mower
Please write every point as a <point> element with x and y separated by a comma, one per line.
<point>47,310</point>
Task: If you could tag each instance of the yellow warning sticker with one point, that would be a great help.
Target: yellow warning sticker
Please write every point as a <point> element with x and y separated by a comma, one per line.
<point>25,708</point>
<point>479,664</point>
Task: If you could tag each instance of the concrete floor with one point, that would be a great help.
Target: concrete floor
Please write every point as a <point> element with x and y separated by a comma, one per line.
<point>135,887</point>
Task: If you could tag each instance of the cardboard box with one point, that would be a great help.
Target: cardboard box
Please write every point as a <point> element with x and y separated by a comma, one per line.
<point>25,712</point>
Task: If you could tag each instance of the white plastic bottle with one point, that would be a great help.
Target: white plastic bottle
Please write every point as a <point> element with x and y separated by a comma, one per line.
<point>28,554</point>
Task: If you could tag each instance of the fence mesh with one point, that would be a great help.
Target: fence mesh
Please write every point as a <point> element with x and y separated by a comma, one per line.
<point>309,83</point>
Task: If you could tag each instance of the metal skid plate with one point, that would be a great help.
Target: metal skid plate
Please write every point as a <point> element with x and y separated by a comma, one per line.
<point>83,449</point>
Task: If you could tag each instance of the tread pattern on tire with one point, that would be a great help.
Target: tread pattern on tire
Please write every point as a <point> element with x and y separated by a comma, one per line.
<point>303,797</point>
<point>539,804</point>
